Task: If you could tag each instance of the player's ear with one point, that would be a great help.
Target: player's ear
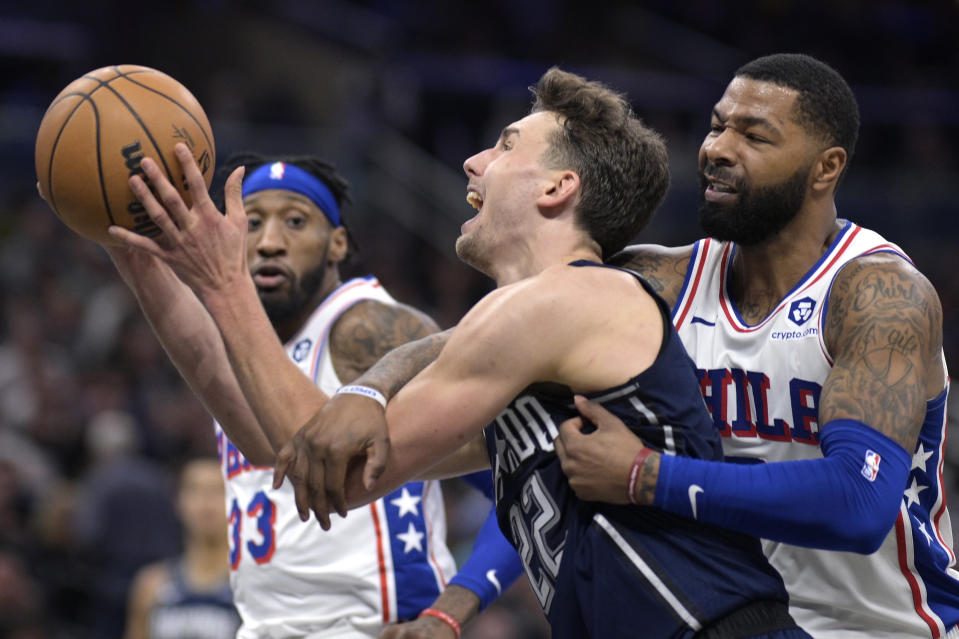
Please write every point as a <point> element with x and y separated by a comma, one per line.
<point>337,245</point>
<point>560,190</point>
<point>828,168</point>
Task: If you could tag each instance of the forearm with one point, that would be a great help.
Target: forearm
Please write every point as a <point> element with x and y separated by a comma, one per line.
<point>280,396</point>
<point>847,500</point>
<point>493,565</point>
<point>191,340</point>
<point>460,603</point>
<point>470,458</point>
<point>403,363</point>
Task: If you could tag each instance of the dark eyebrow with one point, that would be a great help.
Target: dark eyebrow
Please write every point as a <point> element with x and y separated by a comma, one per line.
<point>508,131</point>
<point>747,121</point>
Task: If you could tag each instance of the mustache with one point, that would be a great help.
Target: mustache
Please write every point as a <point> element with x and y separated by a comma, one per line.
<point>721,174</point>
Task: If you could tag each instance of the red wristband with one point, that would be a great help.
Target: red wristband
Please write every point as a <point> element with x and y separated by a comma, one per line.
<point>442,616</point>
<point>641,456</point>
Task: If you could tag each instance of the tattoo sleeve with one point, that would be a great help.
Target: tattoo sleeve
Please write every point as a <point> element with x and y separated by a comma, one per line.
<point>884,330</point>
<point>664,268</point>
<point>371,330</point>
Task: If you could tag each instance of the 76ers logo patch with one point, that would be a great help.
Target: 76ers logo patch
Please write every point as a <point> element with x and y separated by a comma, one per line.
<point>801,310</point>
<point>302,349</point>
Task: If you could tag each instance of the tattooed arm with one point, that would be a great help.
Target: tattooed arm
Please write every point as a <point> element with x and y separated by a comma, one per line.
<point>884,332</point>
<point>369,330</point>
<point>361,431</point>
<point>664,267</point>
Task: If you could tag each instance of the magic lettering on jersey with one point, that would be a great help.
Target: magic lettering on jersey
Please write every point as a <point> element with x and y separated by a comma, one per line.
<point>525,426</point>
<point>748,393</point>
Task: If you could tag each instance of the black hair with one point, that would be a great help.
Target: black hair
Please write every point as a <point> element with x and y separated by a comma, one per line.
<point>317,167</point>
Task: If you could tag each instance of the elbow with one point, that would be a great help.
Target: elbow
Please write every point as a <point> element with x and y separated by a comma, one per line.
<point>864,532</point>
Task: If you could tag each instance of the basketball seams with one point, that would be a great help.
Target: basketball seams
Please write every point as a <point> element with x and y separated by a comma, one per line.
<point>126,110</point>
<point>84,98</point>
<point>100,84</point>
<point>199,124</point>
<point>88,97</point>
<point>136,116</point>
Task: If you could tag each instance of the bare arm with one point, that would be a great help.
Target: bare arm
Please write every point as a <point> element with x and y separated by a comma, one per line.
<point>884,331</point>
<point>192,341</point>
<point>370,330</point>
<point>487,362</point>
<point>394,370</point>
<point>428,414</point>
<point>662,266</point>
<point>460,603</point>
<point>352,429</point>
<point>207,251</point>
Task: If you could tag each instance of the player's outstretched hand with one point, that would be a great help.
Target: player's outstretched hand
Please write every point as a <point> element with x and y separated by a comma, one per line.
<point>597,463</point>
<point>205,248</point>
<point>349,429</point>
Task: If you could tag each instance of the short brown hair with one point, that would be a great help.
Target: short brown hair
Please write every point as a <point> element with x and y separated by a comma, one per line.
<point>622,163</point>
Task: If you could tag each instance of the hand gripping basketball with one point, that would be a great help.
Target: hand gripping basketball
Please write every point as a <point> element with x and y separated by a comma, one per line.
<point>206,249</point>
<point>95,134</point>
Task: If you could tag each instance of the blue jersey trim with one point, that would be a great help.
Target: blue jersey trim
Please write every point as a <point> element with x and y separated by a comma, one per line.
<point>416,583</point>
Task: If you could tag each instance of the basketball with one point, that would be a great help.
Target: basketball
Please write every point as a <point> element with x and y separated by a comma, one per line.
<point>94,135</point>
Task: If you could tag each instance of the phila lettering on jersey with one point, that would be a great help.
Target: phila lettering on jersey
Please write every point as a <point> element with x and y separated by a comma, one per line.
<point>762,385</point>
<point>383,563</point>
<point>597,568</point>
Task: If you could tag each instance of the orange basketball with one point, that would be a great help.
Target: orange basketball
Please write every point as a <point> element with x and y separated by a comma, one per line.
<point>95,133</point>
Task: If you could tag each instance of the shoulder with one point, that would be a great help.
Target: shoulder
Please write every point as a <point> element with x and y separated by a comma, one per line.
<point>377,316</point>
<point>369,329</point>
<point>556,305</point>
<point>875,290</point>
<point>664,267</point>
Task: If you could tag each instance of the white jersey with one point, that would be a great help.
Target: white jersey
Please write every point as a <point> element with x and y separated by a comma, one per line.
<point>382,563</point>
<point>762,385</point>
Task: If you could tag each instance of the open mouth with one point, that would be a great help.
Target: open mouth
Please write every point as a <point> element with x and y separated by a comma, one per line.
<point>721,187</point>
<point>473,199</point>
<point>268,276</point>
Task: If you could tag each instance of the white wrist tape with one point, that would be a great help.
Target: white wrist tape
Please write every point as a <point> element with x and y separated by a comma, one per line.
<point>365,391</point>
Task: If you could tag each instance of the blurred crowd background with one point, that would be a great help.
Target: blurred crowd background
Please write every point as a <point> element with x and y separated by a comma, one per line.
<point>397,93</point>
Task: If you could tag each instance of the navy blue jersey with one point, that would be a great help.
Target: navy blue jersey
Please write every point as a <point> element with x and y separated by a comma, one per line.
<point>602,570</point>
<point>182,612</point>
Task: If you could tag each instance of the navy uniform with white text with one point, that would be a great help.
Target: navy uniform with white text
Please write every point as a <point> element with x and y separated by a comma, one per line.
<point>603,570</point>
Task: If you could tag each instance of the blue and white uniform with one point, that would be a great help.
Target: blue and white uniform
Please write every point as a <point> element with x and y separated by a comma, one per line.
<point>762,385</point>
<point>602,570</point>
<point>182,612</point>
<point>383,563</point>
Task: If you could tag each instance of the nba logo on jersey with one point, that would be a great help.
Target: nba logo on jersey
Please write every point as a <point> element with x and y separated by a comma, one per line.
<point>801,310</point>
<point>870,467</point>
<point>302,349</point>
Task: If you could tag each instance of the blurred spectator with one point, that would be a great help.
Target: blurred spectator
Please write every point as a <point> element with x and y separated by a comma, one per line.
<point>125,517</point>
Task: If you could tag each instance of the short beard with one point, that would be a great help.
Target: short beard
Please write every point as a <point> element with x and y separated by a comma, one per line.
<point>282,309</point>
<point>759,214</point>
